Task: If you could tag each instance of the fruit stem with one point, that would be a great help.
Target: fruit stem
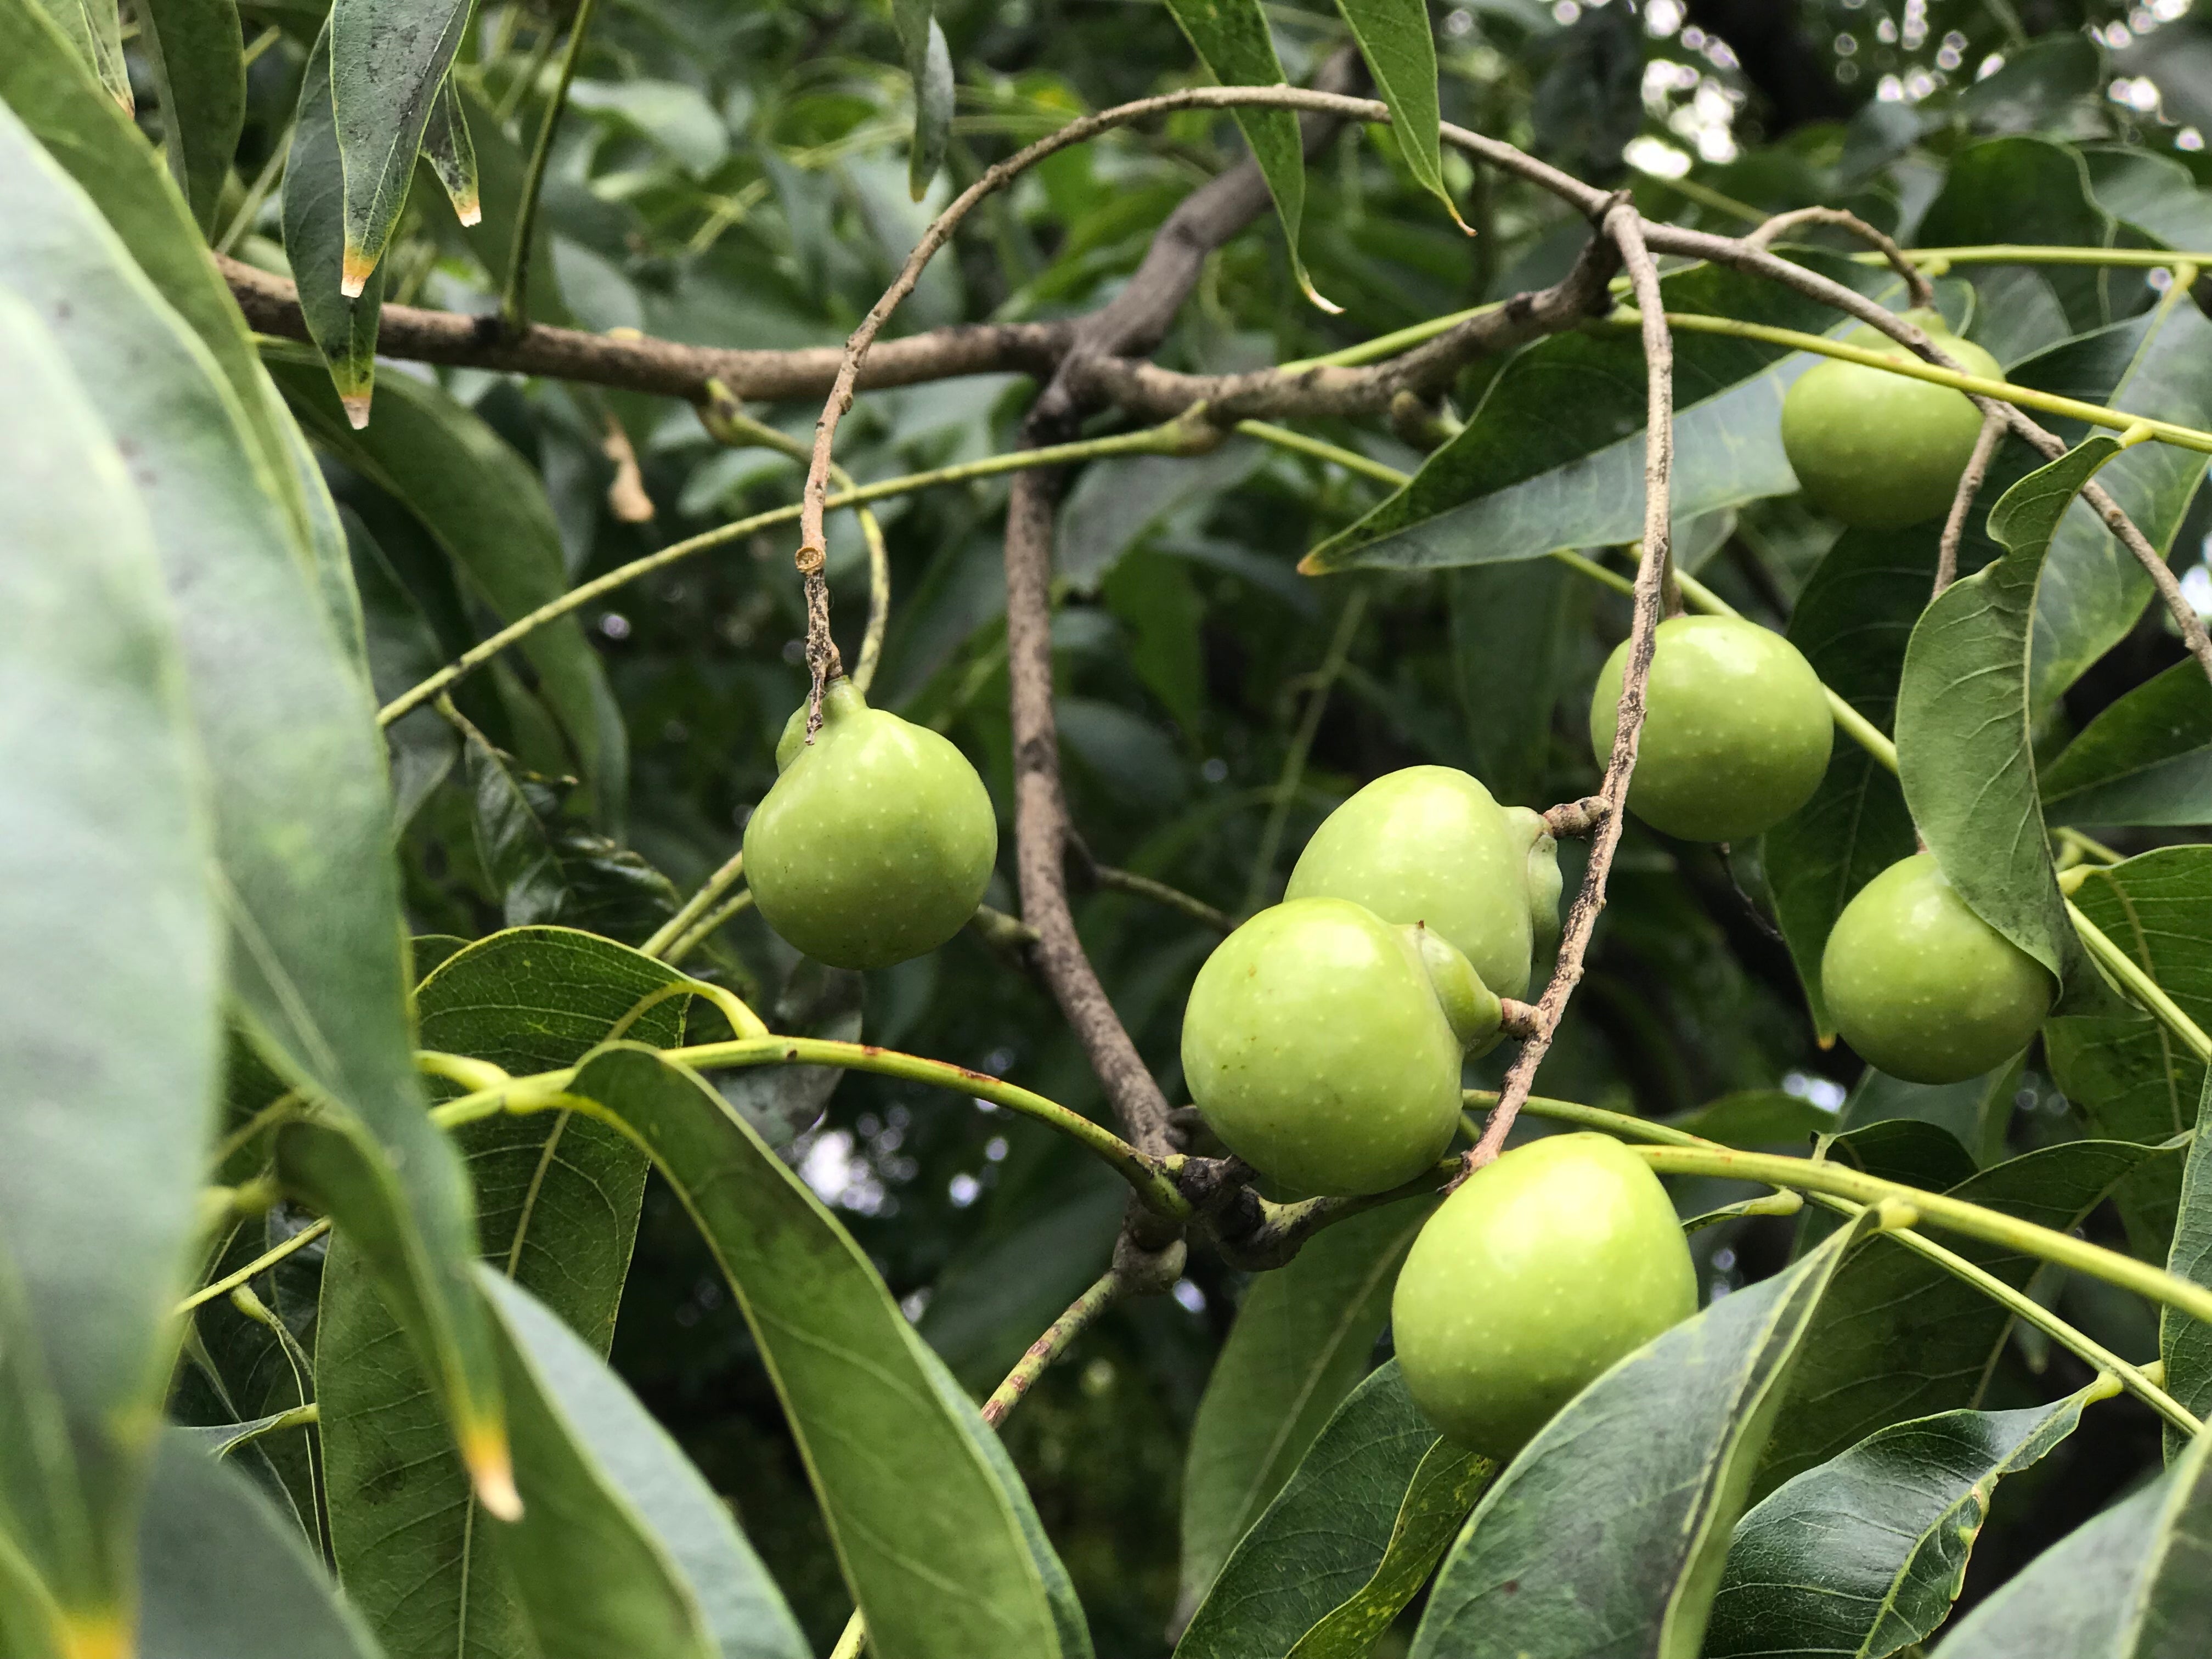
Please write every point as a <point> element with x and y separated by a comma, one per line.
<point>2139,985</point>
<point>695,907</point>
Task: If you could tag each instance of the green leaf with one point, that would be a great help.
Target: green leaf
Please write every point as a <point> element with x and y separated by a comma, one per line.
<point>1231,40</point>
<point>452,152</point>
<point>501,166</point>
<point>220,1439</point>
<point>387,60</point>
<point>197,58</point>
<point>1301,1341</point>
<point>1402,54</point>
<point>303,821</point>
<point>939,1546</point>
<point>558,1196</point>
<point>221,1571</point>
<point>109,1012</point>
<point>402,651</point>
<point>1963,743</point>
<point>1864,1555</point>
<point>2185,1344</point>
<point>623,1549</point>
<point>2130,1584</point>
<point>94,31</point>
<point>1607,1533</point>
<point>1513,654</point>
<point>1898,1337</point>
<point>1753,1118</point>
<point>1349,1539</point>
<point>486,506</point>
<point>929,67</point>
<point>1553,454</point>
<point>343,325</point>
<point>1852,621</point>
<point>2145,760</point>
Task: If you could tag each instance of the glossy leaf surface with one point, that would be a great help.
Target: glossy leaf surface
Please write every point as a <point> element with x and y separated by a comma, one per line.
<point>1394,39</point>
<point>387,60</point>
<point>2145,760</point>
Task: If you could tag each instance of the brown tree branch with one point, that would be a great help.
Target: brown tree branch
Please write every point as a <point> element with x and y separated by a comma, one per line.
<point>1962,500</point>
<point>1918,290</point>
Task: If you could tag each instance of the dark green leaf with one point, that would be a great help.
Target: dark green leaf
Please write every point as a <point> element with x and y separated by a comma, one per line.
<point>1898,1337</point>
<point>1117,501</point>
<point>222,1572</point>
<point>343,325</point>
<point>623,1549</point>
<point>1975,1113</point>
<point>783,1102</point>
<point>2145,760</point>
<point>1963,747</point>
<point>2130,1584</point>
<point>1301,1341</point>
<point>110,1015</point>
<point>2185,1344</point>
<point>1348,1540</point>
<point>939,1544</point>
<point>1864,1555</point>
<point>197,58</point>
<point>1852,621</point>
<point>1909,1150</point>
<point>929,67</point>
<point>486,508</point>
<point>1512,652</point>
<point>2153,192</point>
<point>94,32</point>
<point>452,152</point>
<point>387,60</point>
<point>402,651</point>
<point>1608,1532</point>
<point>1233,42</point>
<point>1553,455</point>
<point>1402,54</point>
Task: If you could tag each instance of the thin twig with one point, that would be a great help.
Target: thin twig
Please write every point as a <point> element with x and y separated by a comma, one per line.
<point>1622,224</point>
<point>1962,501</point>
<point>1129,881</point>
<point>1919,288</point>
<point>697,906</point>
<point>515,304</point>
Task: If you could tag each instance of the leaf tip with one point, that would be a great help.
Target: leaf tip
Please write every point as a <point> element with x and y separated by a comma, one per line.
<point>1313,565</point>
<point>491,1471</point>
<point>101,1635</point>
<point>355,404</point>
<point>354,273</point>
<point>470,212</point>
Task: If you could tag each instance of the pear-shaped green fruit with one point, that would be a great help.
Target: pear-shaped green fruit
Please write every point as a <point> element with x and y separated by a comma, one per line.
<point>1736,729</point>
<point>1923,988</point>
<point>1429,844</point>
<point>1879,450</point>
<point>877,841</point>
<point>1543,1269</point>
<point>1323,1045</point>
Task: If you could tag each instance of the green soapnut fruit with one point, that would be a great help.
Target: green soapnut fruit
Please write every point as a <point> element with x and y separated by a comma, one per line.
<point>1323,1045</point>
<point>1879,450</point>
<point>1429,844</point>
<point>1540,1272</point>
<point>1924,988</point>
<point>1736,729</point>
<point>876,842</point>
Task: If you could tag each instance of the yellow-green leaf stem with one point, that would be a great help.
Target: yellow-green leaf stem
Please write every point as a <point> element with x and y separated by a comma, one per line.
<point>2022,254</point>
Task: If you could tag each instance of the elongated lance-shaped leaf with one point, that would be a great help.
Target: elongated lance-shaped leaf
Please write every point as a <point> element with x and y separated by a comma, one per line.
<point>940,1547</point>
<point>2130,1584</point>
<point>387,60</point>
<point>929,67</point>
<point>107,925</point>
<point>1301,1341</point>
<point>282,715</point>
<point>2145,760</point>
<point>222,1571</point>
<point>1347,1541</point>
<point>452,152</point>
<point>198,57</point>
<point>1963,748</point>
<point>623,1549</point>
<point>2185,1344</point>
<point>558,1196</point>
<point>1394,39</point>
<point>1231,40</point>
<point>94,29</point>
<point>1606,1534</point>
<point>341,320</point>
<point>1864,1555</point>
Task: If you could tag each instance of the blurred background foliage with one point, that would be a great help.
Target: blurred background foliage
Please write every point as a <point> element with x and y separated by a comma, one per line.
<point>736,176</point>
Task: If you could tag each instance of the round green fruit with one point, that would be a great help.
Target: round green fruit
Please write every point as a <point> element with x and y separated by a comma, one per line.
<point>877,841</point>
<point>1323,1045</point>
<point>1543,1269</point>
<point>1923,988</point>
<point>1736,729</point>
<point>1879,450</point>
<point>1429,844</point>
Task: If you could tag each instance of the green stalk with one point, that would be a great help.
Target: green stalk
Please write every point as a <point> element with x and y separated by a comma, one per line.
<point>513,305</point>
<point>707,926</point>
<point>2139,985</point>
<point>697,906</point>
<point>2021,253</point>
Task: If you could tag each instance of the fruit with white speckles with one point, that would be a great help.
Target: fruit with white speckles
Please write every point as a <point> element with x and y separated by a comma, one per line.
<point>1323,1045</point>
<point>1878,450</point>
<point>1543,1269</point>
<point>876,842</point>
<point>1429,844</point>
<point>1736,729</point>
<point>1925,988</point>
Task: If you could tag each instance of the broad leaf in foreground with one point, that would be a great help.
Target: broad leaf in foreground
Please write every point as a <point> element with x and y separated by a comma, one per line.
<point>1864,1555</point>
<point>1608,1534</point>
<point>1347,1541</point>
<point>107,927</point>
